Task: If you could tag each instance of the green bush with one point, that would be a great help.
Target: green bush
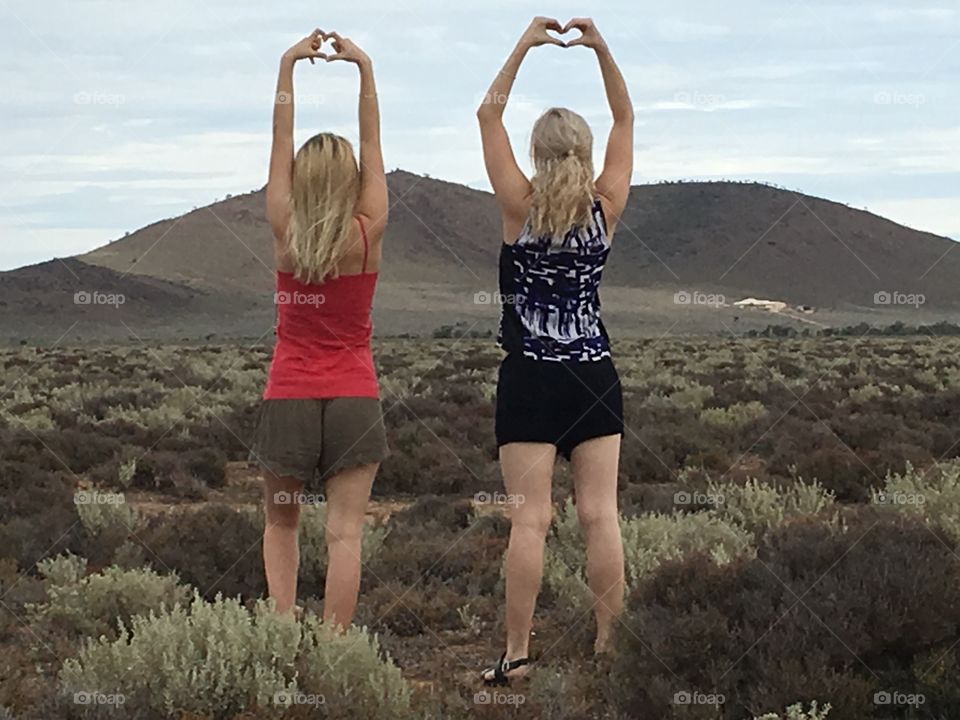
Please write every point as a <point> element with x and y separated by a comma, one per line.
<point>37,514</point>
<point>95,604</point>
<point>217,548</point>
<point>648,541</point>
<point>933,495</point>
<point>759,506</point>
<point>829,610</point>
<point>220,659</point>
<point>105,513</point>
<point>797,712</point>
<point>738,415</point>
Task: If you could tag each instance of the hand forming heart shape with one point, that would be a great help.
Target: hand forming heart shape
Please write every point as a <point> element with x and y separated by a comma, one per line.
<point>545,30</point>
<point>343,48</point>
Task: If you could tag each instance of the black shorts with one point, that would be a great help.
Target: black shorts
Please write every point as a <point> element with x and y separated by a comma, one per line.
<point>561,403</point>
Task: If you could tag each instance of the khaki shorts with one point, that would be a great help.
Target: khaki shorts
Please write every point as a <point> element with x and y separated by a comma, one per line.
<point>304,439</point>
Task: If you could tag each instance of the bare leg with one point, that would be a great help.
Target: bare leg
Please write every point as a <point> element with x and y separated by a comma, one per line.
<point>595,467</point>
<point>281,551</point>
<point>527,474</point>
<point>348,494</point>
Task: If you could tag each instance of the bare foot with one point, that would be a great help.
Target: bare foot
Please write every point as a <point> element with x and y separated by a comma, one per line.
<point>603,646</point>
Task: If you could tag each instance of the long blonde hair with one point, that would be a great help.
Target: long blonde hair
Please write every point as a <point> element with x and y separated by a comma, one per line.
<point>561,149</point>
<point>323,200</point>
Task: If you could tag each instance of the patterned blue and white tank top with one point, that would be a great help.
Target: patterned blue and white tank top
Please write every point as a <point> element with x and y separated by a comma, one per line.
<point>549,290</point>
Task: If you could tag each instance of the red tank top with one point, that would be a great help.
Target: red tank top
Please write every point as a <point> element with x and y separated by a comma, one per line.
<point>323,337</point>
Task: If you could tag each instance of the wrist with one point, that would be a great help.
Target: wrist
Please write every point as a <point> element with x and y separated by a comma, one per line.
<point>288,58</point>
<point>523,47</point>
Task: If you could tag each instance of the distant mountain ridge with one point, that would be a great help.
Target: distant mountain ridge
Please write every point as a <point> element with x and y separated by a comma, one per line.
<point>733,240</point>
<point>750,238</point>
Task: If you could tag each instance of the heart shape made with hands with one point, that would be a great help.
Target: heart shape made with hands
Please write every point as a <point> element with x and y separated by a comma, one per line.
<point>566,30</point>
<point>327,44</point>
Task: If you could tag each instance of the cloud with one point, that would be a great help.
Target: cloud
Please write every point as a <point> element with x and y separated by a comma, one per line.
<point>118,114</point>
<point>938,215</point>
<point>680,30</point>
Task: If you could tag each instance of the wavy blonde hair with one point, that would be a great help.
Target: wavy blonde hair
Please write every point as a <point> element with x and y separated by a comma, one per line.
<point>323,201</point>
<point>561,149</point>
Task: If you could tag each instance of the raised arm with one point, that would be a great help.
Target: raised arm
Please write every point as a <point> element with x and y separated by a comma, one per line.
<point>280,180</point>
<point>510,185</point>
<point>374,201</point>
<point>614,182</point>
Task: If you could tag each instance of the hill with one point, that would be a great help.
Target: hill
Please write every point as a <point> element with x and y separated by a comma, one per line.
<point>209,270</point>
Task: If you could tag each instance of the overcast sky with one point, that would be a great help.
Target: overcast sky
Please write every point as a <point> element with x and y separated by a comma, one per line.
<point>117,113</point>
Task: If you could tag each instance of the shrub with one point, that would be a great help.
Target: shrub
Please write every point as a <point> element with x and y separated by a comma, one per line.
<point>441,547</point>
<point>411,610</point>
<point>37,513</point>
<point>94,604</point>
<point>932,496</point>
<point>208,465</point>
<point>349,672</point>
<point>797,712</point>
<point>825,610</point>
<point>736,416</point>
<point>108,522</point>
<point>105,514</point>
<point>63,570</point>
<point>220,659</point>
<point>187,472</point>
<point>648,541</point>
<point>215,548</point>
<point>759,506</point>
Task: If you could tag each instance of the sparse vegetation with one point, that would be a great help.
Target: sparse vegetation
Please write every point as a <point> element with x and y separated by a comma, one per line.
<point>788,510</point>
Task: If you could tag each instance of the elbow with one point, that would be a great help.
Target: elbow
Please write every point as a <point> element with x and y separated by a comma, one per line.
<point>625,116</point>
<point>489,112</point>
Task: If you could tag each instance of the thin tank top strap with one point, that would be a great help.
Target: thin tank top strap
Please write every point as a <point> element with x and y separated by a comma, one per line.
<point>366,245</point>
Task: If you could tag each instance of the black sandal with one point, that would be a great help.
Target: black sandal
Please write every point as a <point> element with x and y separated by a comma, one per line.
<point>501,669</point>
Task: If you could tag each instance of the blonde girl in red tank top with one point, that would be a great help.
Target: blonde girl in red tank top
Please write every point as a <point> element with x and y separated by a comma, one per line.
<point>320,434</point>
